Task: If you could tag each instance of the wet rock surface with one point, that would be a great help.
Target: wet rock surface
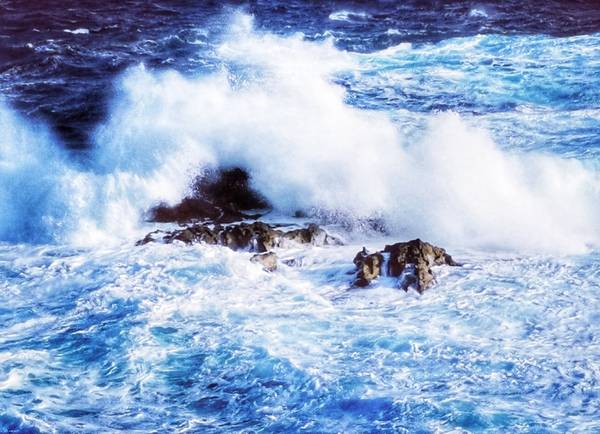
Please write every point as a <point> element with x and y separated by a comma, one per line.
<point>220,196</point>
<point>268,260</point>
<point>410,262</point>
<point>252,237</point>
<point>368,267</point>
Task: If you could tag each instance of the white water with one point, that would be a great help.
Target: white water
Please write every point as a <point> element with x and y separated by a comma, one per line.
<point>275,111</point>
<point>175,338</point>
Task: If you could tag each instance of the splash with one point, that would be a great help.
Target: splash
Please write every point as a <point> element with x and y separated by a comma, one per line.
<point>33,181</point>
<point>274,110</point>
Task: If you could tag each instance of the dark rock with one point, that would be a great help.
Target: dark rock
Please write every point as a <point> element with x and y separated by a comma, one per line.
<point>410,261</point>
<point>229,188</point>
<point>193,234</point>
<point>190,209</point>
<point>219,196</point>
<point>149,238</point>
<point>368,267</point>
<point>422,256</point>
<point>257,236</point>
<point>266,237</point>
<point>237,237</point>
<point>268,260</point>
<point>254,237</point>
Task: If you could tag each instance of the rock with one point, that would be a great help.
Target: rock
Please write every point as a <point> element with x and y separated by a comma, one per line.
<point>229,188</point>
<point>193,234</point>
<point>368,267</point>
<point>237,237</point>
<point>219,196</point>
<point>190,209</point>
<point>410,261</point>
<point>257,236</point>
<point>266,237</point>
<point>268,260</point>
<point>422,256</point>
<point>254,237</point>
<point>149,238</point>
<point>312,234</point>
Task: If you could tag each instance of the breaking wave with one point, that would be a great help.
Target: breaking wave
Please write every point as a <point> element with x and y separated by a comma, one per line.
<point>275,110</point>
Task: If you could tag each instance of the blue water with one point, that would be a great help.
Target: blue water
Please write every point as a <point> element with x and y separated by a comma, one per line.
<point>473,125</point>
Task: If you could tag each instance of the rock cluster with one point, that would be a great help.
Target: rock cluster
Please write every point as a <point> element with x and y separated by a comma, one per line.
<point>256,237</point>
<point>224,196</point>
<point>410,261</point>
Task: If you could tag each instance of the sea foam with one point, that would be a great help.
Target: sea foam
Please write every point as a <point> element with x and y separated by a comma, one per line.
<point>306,148</point>
<point>275,110</point>
<point>33,181</point>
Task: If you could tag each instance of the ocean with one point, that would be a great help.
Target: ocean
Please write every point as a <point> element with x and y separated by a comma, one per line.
<point>473,125</point>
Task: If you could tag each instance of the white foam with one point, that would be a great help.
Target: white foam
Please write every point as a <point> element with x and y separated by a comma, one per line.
<point>344,15</point>
<point>290,127</point>
<point>13,381</point>
<point>478,12</point>
<point>284,120</point>
<point>80,31</point>
<point>32,180</point>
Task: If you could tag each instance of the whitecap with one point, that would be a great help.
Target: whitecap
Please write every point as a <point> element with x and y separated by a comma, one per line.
<point>79,31</point>
<point>344,15</point>
<point>478,12</point>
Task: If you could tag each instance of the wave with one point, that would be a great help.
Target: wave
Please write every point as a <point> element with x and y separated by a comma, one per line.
<point>79,31</point>
<point>350,16</point>
<point>33,181</point>
<point>274,111</point>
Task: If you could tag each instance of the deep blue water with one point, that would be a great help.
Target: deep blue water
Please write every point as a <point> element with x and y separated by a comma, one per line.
<point>474,125</point>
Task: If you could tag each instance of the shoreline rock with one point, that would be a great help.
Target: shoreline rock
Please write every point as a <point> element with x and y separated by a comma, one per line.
<point>220,196</point>
<point>409,261</point>
<point>368,267</point>
<point>268,260</point>
<point>256,237</point>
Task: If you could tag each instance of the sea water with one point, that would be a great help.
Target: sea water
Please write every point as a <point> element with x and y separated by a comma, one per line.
<point>456,125</point>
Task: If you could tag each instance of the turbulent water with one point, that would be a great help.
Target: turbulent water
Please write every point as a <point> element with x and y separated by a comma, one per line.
<point>475,126</point>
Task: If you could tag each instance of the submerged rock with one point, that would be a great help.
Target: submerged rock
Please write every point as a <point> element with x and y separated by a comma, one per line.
<point>268,260</point>
<point>410,262</point>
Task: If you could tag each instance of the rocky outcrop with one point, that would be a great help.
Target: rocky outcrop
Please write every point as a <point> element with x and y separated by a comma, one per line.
<point>410,262</point>
<point>219,196</point>
<point>253,237</point>
<point>312,234</point>
<point>268,261</point>
<point>368,267</point>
